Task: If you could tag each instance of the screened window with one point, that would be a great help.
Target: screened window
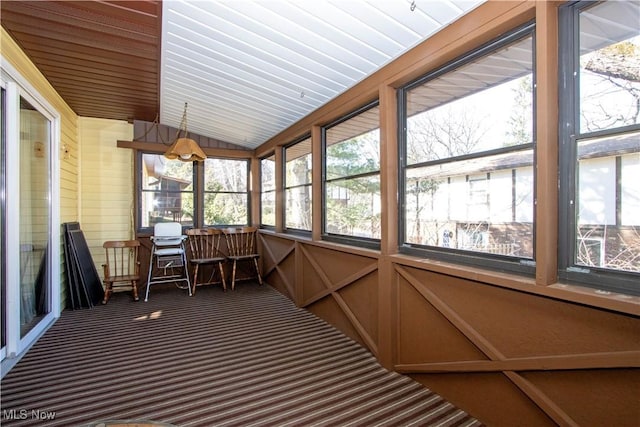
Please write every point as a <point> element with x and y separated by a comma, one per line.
<point>167,192</point>
<point>600,158</point>
<point>297,185</point>
<point>226,197</point>
<point>352,176</point>
<point>195,194</point>
<point>268,191</point>
<point>468,167</point>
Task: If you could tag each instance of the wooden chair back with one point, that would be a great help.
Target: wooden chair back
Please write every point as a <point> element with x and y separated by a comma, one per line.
<point>204,243</point>
<point>241,241</point>
<point>122,265</point>
<point>122,259</point>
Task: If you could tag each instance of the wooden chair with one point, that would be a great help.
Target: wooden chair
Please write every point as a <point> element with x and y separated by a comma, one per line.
<point>204,244</point>
<point>122,266</point>
<point>242,246</point>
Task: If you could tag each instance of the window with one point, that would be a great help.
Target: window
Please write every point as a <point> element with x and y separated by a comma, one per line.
<point>167,191</point>
<point>297,185</point>
<point>268,191</point>
<point>195,194</point>
<point>352,178</point>
<point>600,145</point>
<point>226,196</point>
<point>467,186</point>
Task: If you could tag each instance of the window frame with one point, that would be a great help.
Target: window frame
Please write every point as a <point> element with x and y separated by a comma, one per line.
<point>198,192</point>
<point>292,230</point>
<point>139,164</point>
<point>364,242</point>
<point>517,265</point>
<point>274,191</point>
<point>603,279</point>
<point>246,192</point>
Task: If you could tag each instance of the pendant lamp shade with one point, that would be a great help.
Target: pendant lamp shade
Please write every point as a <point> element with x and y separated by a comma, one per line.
<point>185,148</point>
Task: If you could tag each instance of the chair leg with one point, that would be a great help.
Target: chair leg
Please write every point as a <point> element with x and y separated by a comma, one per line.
<point>186,271</point>
<point>233,276</point>
<point>224,284</point>
<point>107,292</point>
<point>255,263</point>
<point>146,295</point>
<point>134,286</point>
<point>195,279</point>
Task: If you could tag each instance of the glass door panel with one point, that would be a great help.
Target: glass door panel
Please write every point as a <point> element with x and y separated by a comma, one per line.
<point>3,275</point>
<point>35,130</point>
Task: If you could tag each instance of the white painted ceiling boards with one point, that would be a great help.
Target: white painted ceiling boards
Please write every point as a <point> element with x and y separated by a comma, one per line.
<point>250,68</point>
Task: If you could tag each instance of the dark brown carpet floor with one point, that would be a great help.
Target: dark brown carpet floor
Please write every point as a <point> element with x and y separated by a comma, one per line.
<point>242,358</point>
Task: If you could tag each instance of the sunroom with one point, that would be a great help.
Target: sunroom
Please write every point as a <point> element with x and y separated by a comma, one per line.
<point>451,185</point>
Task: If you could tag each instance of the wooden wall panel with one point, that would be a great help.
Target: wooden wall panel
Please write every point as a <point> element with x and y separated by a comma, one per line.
<point>312,282</point>
<point>612,396</point>
<point>328,310</point>
<point>424,334</point>
<point>522,325</point>
<point>491,397</point>
<point>361,299</point>
<point>278,265</point>
<point>507,357</point>
<point>339,287</point>
<point>452,325</point>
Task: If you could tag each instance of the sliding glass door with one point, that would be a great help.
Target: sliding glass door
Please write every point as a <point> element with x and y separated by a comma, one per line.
<point>3,275</point>
<point>29,217</point>
<point>35,215</point>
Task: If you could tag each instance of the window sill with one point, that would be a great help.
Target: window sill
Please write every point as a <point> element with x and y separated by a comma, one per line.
<point>572,293</point>
<point>622,303</point>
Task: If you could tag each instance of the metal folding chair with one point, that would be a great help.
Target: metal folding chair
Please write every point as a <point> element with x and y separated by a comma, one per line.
<point>167,254</point>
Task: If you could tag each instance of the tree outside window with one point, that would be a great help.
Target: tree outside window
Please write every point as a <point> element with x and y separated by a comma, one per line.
<point>352,176</point>
<point>607,153</point>
<point>297,185</point>
<point>167,191</point>
<point>226,196</point>
<point>268,191</point>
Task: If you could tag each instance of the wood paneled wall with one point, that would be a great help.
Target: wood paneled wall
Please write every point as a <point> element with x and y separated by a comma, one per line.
<point>507,357</point>
<point>510,350</point>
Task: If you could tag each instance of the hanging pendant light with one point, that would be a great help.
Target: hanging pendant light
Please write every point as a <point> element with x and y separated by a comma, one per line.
<point>184,148</point>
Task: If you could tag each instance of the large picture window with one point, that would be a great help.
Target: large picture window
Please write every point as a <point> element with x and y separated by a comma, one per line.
<point>167,191</point>
<point>600,156</point>
<point>352,177</point>
<point>297,185</point>
<point>206,194</point>
<point>268,191</point>
<point>468,157</point>
<point>226,196</point>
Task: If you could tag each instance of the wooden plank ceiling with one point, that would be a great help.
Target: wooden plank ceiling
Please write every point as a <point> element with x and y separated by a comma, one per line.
<point>247,69</point>
<point>101,56</point>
